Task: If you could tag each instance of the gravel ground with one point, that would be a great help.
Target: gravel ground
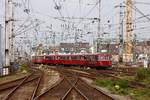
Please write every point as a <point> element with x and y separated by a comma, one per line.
<point>50,77</point>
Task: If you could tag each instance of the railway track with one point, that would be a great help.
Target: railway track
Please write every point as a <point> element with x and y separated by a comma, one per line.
<point>94,74</point>
<point>22,89</point>
<point>72,87</point>
<point>69,87</point>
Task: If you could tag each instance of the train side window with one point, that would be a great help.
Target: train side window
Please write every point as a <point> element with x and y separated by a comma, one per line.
<point>39,57</point>
<point>78,57</point>
<point>73,57</point>
<point>61,57</point>
<point>69,57</point>
<point>66,57</point>
<point>109,57</point>
<point>101,58</point>
<point>49,58</point>
<point>82,57</point>
<point>58,57</point>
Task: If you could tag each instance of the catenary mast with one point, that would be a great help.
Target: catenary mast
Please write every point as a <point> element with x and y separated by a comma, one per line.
<point>128,50</point>
<point>8,32</point>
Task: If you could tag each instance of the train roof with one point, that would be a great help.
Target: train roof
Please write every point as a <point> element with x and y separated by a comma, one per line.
<point>78,54</point>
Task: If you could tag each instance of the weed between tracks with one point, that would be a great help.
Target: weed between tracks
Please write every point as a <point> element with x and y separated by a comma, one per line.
<point>121,87</point>
<point>24,68</point>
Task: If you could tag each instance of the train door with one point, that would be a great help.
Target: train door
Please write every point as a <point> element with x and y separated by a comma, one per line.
<point>91,60</point>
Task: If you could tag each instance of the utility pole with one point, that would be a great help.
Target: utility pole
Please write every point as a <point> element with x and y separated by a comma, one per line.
<point>99,27</point>
<point>99,18</point>
<point>54,42</point>
<point>121,30</point>
<point>8,32</point>
<point>1,57</point>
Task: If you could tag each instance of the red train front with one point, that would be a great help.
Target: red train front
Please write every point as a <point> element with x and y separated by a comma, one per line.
<point>99,60</point>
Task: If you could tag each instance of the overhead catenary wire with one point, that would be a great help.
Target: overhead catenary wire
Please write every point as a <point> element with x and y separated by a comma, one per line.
<point>88,13</point>
<point>19,33</point>
<point>28,17</point>
<point>58,9</point>
<point>145,3</point>
<point>139,11</point>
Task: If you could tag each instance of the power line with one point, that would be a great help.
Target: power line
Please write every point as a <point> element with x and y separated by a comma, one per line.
<point>58,8</point>
<point>145,3</point>
<point>88,13</point>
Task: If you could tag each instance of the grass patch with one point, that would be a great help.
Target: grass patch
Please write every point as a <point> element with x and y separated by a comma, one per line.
<point>116,86</point>
<point>120,87</point>
<point>139,94</point>
<point>143,75</point>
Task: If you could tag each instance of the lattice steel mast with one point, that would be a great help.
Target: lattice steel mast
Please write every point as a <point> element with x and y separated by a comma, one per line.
<point>128,50</point>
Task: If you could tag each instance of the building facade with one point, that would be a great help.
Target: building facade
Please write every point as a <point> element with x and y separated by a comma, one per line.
<point>74,47</point>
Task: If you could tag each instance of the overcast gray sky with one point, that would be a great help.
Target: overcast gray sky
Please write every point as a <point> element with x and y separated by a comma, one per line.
<point>44,11</point>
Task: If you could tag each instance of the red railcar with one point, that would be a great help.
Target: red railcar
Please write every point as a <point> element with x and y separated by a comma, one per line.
<point>98,60</point>
<point>40,59</point>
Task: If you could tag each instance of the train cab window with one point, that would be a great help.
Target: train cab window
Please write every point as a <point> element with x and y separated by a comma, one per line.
<point>33,57</point>
<point>75,57</point>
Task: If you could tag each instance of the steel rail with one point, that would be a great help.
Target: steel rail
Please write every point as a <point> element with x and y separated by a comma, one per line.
<point>53,86</point>
<point>11,92</point>
<point>9,83</point>
<point>17,84</point>
<point>73,87</point>
<point>37,86</point>
<point>100,91</point>
<point>69,89</point>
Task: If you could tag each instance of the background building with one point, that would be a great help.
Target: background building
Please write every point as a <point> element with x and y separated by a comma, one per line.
<point>74,47</point>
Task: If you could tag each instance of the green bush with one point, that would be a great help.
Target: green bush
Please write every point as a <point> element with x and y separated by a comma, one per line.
<point>142,74</point>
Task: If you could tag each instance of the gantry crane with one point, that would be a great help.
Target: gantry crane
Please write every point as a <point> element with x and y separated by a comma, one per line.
<point>128,47</point>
